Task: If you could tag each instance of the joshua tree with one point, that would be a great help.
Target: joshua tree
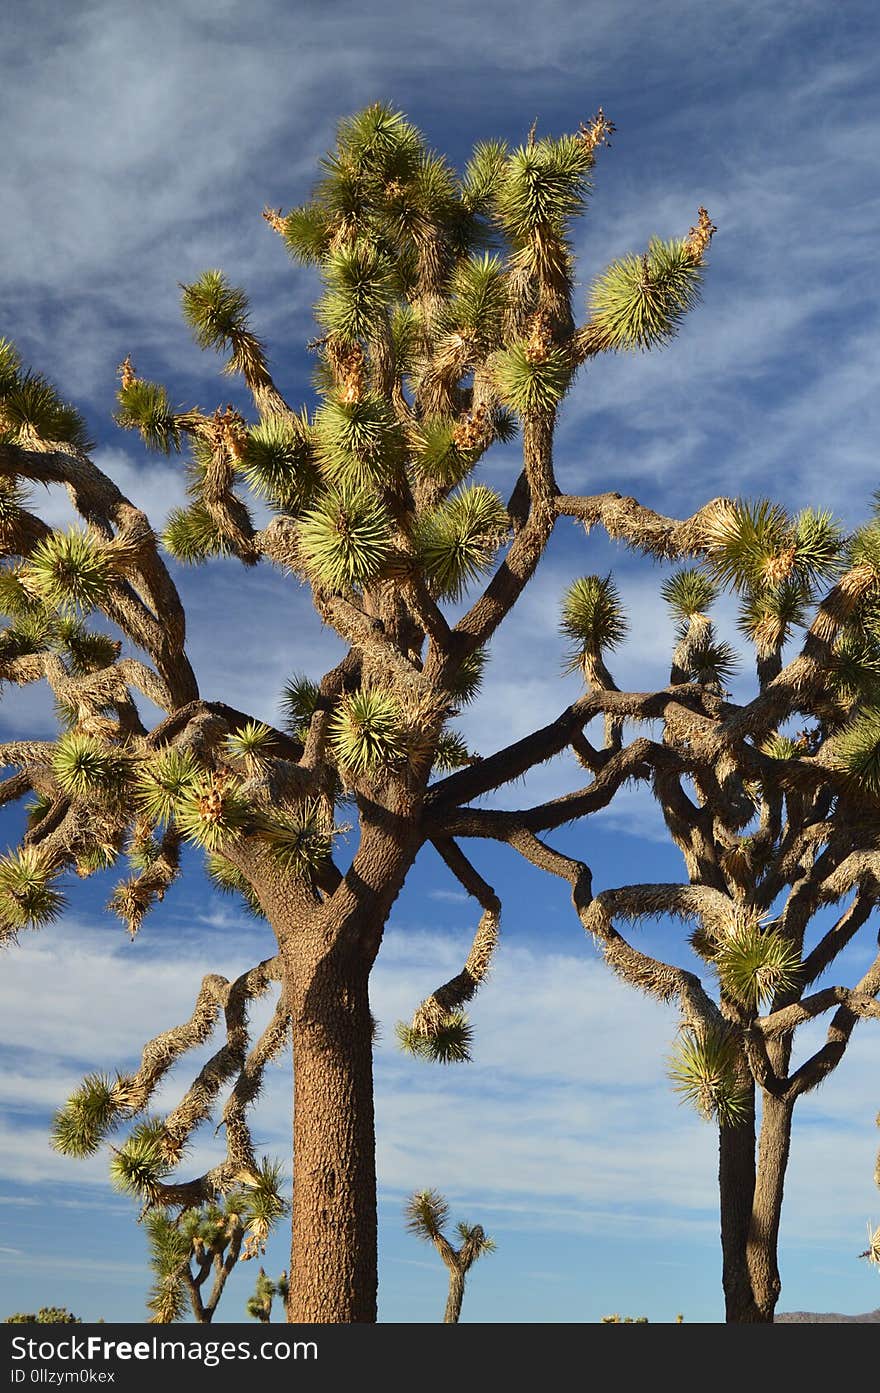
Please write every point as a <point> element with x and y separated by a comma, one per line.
<point>207,1242</point>
<point>47,1315</point>
<point>426,1214</point>
<point>446,324</point>
<point>775,805</point>
<point>259,1306</point>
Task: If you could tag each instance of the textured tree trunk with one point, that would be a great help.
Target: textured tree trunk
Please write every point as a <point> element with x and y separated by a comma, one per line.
<point>773,1152</point>
<point>751,1209</point>
<point>333,1262</point>
<point>455,1298</point>
<point>736,1180</point>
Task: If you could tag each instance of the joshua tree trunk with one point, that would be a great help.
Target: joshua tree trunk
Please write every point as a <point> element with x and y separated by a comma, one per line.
<point>333,1262</point>
<point>455,1298</point>
<point>751,1209</point>
<point>736,1176</point>
<point>773,1151</point>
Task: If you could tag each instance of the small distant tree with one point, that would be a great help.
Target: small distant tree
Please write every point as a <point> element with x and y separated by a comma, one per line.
<point>624,1320</point>
<point>47,1315</point>
<point>192,1255</point>
<point>259,1305</point>
<point>426,1214</point>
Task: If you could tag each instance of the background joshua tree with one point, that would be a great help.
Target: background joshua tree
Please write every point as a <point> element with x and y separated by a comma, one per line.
<point>259,1305</point>
<point>205,1243</point>
<point>446,324</point>
<point>47,1315</point>
<point>426,1214</point>
<point>775,805</point>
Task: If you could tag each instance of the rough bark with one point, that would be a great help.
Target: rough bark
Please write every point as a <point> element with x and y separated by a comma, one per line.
<point>333,1263</point>
<point>455,1298</point>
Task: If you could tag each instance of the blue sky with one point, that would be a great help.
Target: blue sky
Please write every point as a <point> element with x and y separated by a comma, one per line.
<point>139,145</point>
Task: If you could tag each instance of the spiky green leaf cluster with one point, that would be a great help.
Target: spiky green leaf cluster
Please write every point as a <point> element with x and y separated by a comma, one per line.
<point>704,1070</point>
<point>864,546</point>
<point>215,310</point>
<point>85,767</point>
<point>141,1163</point>
<point>754,963</point>
<point>69,570</point>
<point>448,1043</point>
<point>639,302</point>
<point>712,661</point>
<point>299,841</point>
<point>466,684</point>
<point>755,547</point>
<point>278,463</point>
<point>30,407</point>
<point>452,752</point>
<point>780,747</point>
<point>368,731</point>
<point>593,618</point>
<point>28,898</point>
<point>298,703</point>
<point>426,1214</point>
<point>856,751</point>
<point>854,675</point>
<point>192,534</point>
<point>357,441</point>
<point>346,538</point>
<point>542,186</point>
<point>169,775</point>
<point>89,1114</point>
<point>360,286</point>
<point>688,592</point>
<point>473,312</point>
<point>144,407</point>
<point>531,383</point>
<point>212,812</point>
<point>251,743</point>
<point>457,541</point>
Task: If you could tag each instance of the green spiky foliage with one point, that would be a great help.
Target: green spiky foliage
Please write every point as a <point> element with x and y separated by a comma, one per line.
<point>593,619</point>
<point>427,1213</point>
<point>259,1303</point>
<point>28,899</point>
<point>47,1315</point>
<point>458,541</point>
<point>449,1042</point>
<point>278,462</point>
<point>30,408</point>
<point>468,680</point>
<point>704,1068</point>
<point>639,302</point>
<point>86,767</point>
<point>170,776</point>
<point>452,752</point>
<point>712,662</point>
<point>756,547</point>
<point>689,592</point>
<point>530,382</point>
<point>140,1165</point>
<point>217,313</point>
<point>346,538</point>
<point>298,703</point>
<point>856,751</point>
<point>299,841</point>
<point>360,286</point>
<point>251,743</point>
<point>754,963</point>
<point>89,1114</point>
<point>69,570</point>
<point>368,732</point>
<point>356,441</point>
<point>212,812</point>
<point>192,534</point>
<point>144,407</point>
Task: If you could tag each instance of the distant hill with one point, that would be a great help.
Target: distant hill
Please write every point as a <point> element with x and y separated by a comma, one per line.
<point>810,1317</point>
